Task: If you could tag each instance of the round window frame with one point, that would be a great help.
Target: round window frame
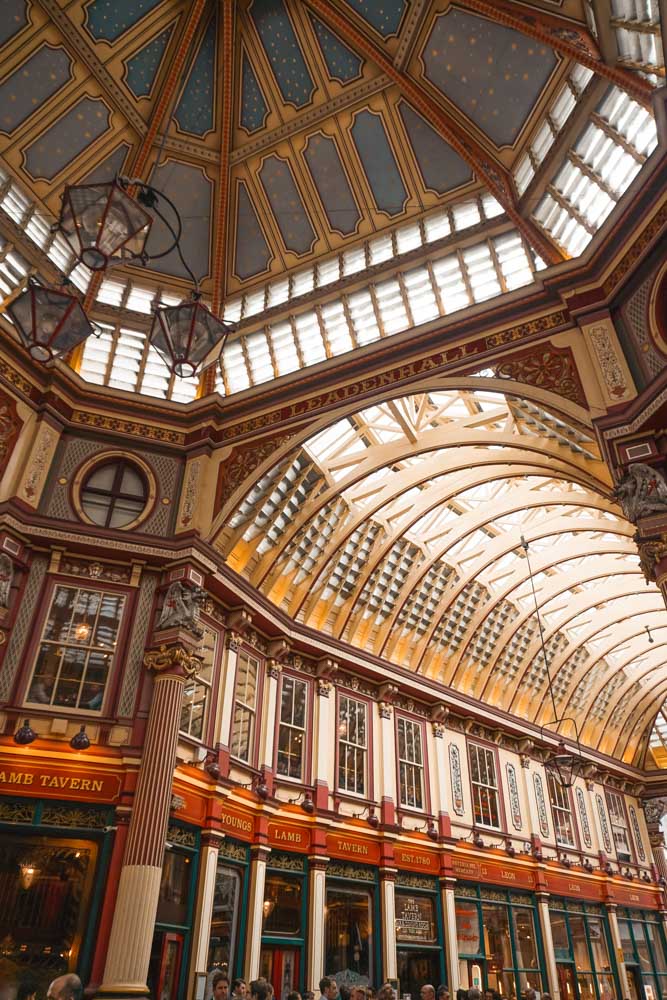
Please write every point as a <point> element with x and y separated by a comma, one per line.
<point>106,458</point>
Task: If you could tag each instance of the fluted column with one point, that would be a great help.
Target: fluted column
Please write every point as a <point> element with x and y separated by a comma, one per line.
<point>618,948</point>
<point>126,968</point>
<point>548,942</point>
<point>316,916</point>
<point>255,912</point>
<point>451,937</point>
<point>388,900</point>
<point>201,930</point>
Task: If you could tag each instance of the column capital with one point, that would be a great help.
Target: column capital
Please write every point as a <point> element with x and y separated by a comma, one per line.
<point>274,669</point>
<point>385,708</point>
<point>177,661</point>
<point>324,687</point>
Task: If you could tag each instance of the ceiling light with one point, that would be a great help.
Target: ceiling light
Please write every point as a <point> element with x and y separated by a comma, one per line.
<point>49,321</point>
<point>104,224</point>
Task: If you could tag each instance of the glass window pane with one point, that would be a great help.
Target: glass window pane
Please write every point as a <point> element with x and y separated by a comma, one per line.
<point>222,941</point>
<point>282,905</point>
<point>657,946</point>
<point>495,921</point>
<point>579,946</point>
<point>524,938</point>
<point>559,934</point>
<point>348,933</point>
<point>468,928</point>
<point>598,940</point>
<point>641,946</point>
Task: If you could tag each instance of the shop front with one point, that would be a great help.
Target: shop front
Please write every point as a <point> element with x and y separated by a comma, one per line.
<point>644,953</point>
<point>284,922</point>
<point>583,950</point>
<point>352,912</point>
<point>420,955</point>
<point>230,906</point>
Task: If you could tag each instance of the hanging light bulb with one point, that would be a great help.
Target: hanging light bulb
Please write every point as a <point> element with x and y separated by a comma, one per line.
<point>103,224</point>
<point>49,321</point>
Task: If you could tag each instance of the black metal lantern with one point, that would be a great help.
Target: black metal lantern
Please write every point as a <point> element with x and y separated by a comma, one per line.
<point>49,321</point>
<point>184,335</point>
<point>564,766</point>
<point>103,224</point>
<point>25,735</point>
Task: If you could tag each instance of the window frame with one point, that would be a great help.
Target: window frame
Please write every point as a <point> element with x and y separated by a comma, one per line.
<point>632,851</point>
<point>423,767</point>
<point>557,809</point>
<point>98,461</point>
<point>210,687</point>
<point>257,709</point>
<point>306,755</point>
<point>500,803</point>
<point>367,793</point>
<point>115,672</point>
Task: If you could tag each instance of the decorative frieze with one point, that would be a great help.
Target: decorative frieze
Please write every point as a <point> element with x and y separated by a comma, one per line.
<point>583,818</point>
<point>456,778</point>
<point>542,815</point>
<point>514,800</point>
<point>604,826</point>
<point>641,853</point>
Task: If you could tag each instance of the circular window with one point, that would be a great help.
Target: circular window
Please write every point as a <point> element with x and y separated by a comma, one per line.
<point>114,494</point>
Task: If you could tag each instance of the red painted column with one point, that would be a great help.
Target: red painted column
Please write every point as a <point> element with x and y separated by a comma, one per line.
<point>126,968</point>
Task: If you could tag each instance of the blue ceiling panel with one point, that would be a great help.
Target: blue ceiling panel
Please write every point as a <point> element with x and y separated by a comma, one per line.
<point>13,17</point>
<point>194,113</point>
<point>109,167</point>
<point>66,139</point>
<point>342,64</point>
<point>142,68</point>
<point>383,15</point>
<point>106,20</point>
<point>378,161</point>
<point>441,168</point>
<point>33,83</point>
<point>191,191</point>
<point>253,106</point>
<point>493,74</point>
<point>332,185</point>
<point>286,205</point>
<point>278,37</point>
<point>252,254</point>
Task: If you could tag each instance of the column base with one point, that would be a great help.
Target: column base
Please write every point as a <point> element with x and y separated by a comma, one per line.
<point>122,992</point>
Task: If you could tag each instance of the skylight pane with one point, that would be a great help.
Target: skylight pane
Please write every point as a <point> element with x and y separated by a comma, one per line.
<point>127,359</point>
<point>364,321</point>
<point>184,390</point>
<point>111,292</point>
<point>235,366</point>
<point>232,311</point>
<point>284,348</point>
<point>381,249</point>
<point>437,226</point>
<point>328,271</point>
<point>420,294</point>
<point>155,378</point>
<point>450,281</point>
<point>354,260</point>
<point>465,215</point>
<point>140,299</point>
<point>310,338</point>
<point>523,173</point>
<point>391,306</point>
<point>95,358</point>
<point>278,292</point>
<point>259,357</point>
<point>335,324</point>
<point>408,238</point>
<point>481,272</point>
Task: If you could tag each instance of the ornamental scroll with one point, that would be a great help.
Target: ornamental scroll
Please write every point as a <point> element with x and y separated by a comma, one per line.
<point>583,818</point>
<point>515,802</point>
<point>641,853</point>
<point>457,781</point>
<point>604,826</point>
<point>541,805</point>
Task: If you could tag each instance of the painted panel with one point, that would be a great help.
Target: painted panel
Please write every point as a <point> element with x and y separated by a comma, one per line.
<point>252,254</point>
<point>342,64</point>
<point>286,205</point>
<point>492,870</point>
<point>33,83</point>
<point>108,19</point>
<point>385,17</point>
<point>278,37</point>
<point>514,801</point>
<point>142,68</point>
<point>583,818</point>
<point>253,106</point>
<point>13,17</point>
<point>457,781</point>
<point>541,805</point>
<point>194,113</point>
<point>641,853</point>
<point>66,139</point>
<point>326,169</point>
<point>378,161</point>
<point>191,191</point>
<point>109,167</point>
<point>493,74</point>
<point>441,168</point>
<point>604,826</point>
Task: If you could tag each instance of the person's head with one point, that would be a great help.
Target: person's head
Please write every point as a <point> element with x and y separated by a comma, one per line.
<point>530,993</point>
<point>308,995</point>
<point>220,986</point>
<point>294,995</point>
<point>27,990</point>
<point>427,992</point>
<point>358,993</point>
<point>239,987</point>
<point>474,994</point>
<point>67,987</point>
<point>443,993</point>
<point>488,994</point>
<point>546,996</point>
<point>344,992</point>
<point>385,992</point>
<point>259,988</point>
<point>329,988</point>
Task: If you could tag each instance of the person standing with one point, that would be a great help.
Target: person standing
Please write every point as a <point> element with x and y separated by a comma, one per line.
<point>328,988</point>
<point>220,986</point>
<point>427,992</point>
<point>67,987</point>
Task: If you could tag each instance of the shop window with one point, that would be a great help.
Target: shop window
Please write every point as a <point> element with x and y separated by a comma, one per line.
<point>292,728</point>
<point>197,690</point>
<point>77,649</point>
<point>282,905</point>
<point>45,897</point>
<point>348,933</point>
<point>561,809</point>
<point>580,944</point>
<point>174,888</point>
<point>245,707</point>
<point>352,746</point>
<point>226,902</point>
<point>415,919</point>
<point>484,780</point>
<point>410,763</point>
<point>114,494</point>
<point>619,826</point>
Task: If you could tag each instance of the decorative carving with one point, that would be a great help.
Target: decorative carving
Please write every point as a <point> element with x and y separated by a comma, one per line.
<point>608,359</point>
<point>583,817</point>
<point>17,812</point>
<point>604,826</point>
<point>541,805</point>
<point>235,852</point>
<point>244,460</point>
<point>119,425</point>
<point>654,810</point>
<point>385,709</point>
<point>38,466</point>
<point>96,570</point>
<point>546,367</point>
<point>190,493</point>
<point>641,853</point>
<point>181,609</point>
<point>407,880</point>
<point>515,802</point>
<point>177,803</point>
<point>525,760</point>
<point>324,687</point>
<point>6,577</point>
<point>185,838</point>
<point>642,492</point>
<point>457,781</point>
<point>273,669</point>
<point>340,869</point>
<point>286,862</point>
<point>438,730</point>
<point>78,817</point>
<point>172,659</point>
<point>233,641</point>
<point>651,551</point>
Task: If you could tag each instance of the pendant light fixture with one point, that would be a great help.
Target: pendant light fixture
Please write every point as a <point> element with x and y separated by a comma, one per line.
<point>104,224</point>
<point>49,321</point>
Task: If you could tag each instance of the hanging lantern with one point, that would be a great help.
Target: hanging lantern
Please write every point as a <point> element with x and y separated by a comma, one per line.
<point>103,224</point>
<point>49,321</point>
<point>185,335</point>
<point>564,766</point>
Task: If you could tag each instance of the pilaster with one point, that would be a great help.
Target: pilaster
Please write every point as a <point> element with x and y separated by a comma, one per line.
<point>451,937</point>
<point>316,918</point>
<point>259,854</point>
<point>203,915</point>
<point>548,943</point>
<point>388,906</point>
<point>618,949</point>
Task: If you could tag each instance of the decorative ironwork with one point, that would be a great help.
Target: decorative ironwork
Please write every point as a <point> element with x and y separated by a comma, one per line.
<point>340,869</point>
<point>604,826</point>
<point>457,781</point>
<point>515,802</point>
<point>541,805</point>
<point>17,812</point>
<point>286,862</point>
<point>74,817</point>
<point>234,852</point>
<point>583,818</point>
<point>182,837</point>
<point>408,881</point>
<point>171,659</point>
<point>641,853</point>
<point>464,890</point>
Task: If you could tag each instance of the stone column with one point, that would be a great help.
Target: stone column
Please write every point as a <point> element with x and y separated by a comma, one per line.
<point>201,930</point>
<point>388,929</point>
<point>618,949</point>
<point>126,968</point>
<point>548,942</point>
<point>258,856</point>
<point>317,872</point>
<point>451,937</point>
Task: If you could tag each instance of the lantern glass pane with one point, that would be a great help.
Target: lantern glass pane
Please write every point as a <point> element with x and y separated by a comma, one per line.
<point>102,223</point>
<point>185,334</point>
<point>49,322</point>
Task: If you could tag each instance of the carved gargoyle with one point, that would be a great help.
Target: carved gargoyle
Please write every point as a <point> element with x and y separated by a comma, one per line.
<point>642,492</point>
<point>181,609</point>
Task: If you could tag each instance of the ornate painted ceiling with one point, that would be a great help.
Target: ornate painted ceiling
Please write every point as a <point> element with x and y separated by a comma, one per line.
<point>293,131</point>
